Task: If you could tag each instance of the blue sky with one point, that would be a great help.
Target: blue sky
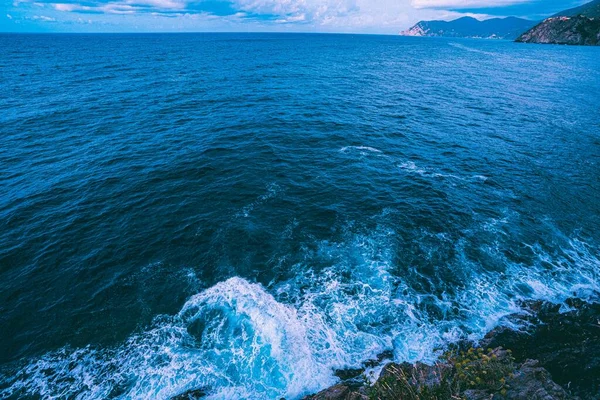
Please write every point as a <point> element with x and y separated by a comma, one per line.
<point>358,16</point>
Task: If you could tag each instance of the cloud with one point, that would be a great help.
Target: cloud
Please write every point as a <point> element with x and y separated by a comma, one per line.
<point>289,10</point>
<point>279,11</point>
<point>458,4</point>
<point>120,7</point>
<point>110,8</point>
<point>43,18</point>
<point>376,16</point>
<point>9,16</point>
<point>160,4</point>
<point>66,7</point>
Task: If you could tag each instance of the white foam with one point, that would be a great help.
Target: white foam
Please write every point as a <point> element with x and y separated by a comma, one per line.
<point>471,49</point>
<point>239,340</point>
<point>411,167</point>
<point>273,190</point>
<point>360,148</point>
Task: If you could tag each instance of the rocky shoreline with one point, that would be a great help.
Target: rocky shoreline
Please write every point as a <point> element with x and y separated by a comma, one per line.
<point>557,356</point>
<point>577,31</point>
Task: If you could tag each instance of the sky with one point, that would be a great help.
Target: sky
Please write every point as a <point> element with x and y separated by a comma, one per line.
<point>343,16</point>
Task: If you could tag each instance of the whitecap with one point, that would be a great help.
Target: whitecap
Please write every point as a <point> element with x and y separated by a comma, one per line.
<point>239,340</point>
<point>361,148</point>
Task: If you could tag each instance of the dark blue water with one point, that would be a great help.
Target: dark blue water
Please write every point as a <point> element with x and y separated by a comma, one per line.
<point>248,213</point>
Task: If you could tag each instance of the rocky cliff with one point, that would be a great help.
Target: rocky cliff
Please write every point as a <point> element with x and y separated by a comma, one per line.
<point>555,357</point>
<point>576,26</point>
<point>579,30</point>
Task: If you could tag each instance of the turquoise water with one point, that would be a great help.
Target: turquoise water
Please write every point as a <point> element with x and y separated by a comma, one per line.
<point>246,213</point>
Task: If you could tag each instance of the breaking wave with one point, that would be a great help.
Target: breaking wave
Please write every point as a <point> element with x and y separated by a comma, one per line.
<point>239,339</point>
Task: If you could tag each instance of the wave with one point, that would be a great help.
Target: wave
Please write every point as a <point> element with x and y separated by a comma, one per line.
<point>239,339</point>
<point>361,148</point>
<point>411,167</point>
<point>273,190</point>
<point>471,49</point>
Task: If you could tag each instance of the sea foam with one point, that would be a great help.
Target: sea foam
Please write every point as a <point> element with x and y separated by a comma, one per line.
<point>239,339</point>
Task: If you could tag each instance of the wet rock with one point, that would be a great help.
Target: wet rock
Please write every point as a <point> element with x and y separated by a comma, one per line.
<point>418,375</point>
<point>415,382</point>
<point>556,358</point>
<point>337,392</point>
<point>532,382</point>
<point>468,373</point>
<point>564,339</point>
<point>194,394</point>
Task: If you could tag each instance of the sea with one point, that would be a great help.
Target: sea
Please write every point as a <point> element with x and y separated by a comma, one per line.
<point>243,214</point>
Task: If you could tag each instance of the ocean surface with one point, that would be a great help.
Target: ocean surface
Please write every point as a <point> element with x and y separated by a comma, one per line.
<point>247,213</point>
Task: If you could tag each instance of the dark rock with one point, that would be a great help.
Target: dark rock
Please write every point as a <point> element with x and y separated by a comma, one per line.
<point>473,394</point>
<point>194,394</point>
<point>532,382</point>
<point>354,378</point>
<point>557,357</point>
<point>567,344</point>
<point>337,392</point>
<point>348,374</point>
<point>418,375</point>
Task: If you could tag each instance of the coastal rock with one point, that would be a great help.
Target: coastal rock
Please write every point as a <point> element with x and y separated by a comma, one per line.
<point>489,375</point>
<point>576,26</point>
<point>532,382</point>
<point>337,392</point>
<point>415,382</point>
<point>418,375</point>
<point>556,356</point>
<point>193,394</point>
<point>579,30</point>
<point>565,339</point>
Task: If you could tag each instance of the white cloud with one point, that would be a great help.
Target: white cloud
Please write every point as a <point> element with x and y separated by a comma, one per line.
<point>299,11</point>
<point>9,16</point>
<point>43,18</point>
<point>160,4</point>
<point>465,3</point>
<point>110,8</point>
<point>377,16</point>
<point>65,7</point>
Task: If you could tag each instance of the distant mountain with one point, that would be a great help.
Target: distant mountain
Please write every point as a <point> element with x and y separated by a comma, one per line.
<point>467,27</point>
<point>576,26</point>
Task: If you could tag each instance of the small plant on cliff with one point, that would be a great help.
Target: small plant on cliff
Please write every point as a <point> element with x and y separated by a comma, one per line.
<point>481,369</point>
<point>476,369</point>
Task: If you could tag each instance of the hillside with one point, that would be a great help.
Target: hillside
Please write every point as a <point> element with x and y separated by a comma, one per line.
<point>579,30</point>
<point>576,26</point>
<point>467,27</point>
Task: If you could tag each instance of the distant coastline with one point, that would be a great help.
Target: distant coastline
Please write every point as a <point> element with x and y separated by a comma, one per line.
<point>467,27</point>
<point>576,26</point>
